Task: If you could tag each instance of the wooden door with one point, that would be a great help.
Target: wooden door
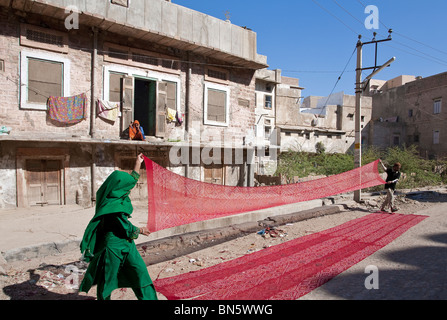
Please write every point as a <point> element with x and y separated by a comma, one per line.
<point>43,180</point>
<point>214,174</point>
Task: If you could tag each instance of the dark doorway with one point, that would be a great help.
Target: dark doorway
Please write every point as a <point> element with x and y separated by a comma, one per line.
<point>145,104</point>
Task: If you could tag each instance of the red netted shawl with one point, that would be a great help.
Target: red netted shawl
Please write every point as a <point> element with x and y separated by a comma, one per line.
<point>175,200</point>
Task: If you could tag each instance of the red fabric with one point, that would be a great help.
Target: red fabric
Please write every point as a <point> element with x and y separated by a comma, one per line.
<point>175,200</point>
<point>294,268</point>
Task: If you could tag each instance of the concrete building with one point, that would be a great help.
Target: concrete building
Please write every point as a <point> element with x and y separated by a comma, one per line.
<point>409,110</point>
<point>265,135</point>
<point>325,121</point>
<point>277,103</point>
<point>146,60</point>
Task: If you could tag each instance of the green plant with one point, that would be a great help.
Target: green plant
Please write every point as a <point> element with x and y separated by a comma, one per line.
<point>416,171</point>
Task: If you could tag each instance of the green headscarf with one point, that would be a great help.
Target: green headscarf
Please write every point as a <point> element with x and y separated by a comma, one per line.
<point>111,197</point>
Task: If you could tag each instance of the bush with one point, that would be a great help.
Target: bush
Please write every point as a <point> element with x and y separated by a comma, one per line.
<point>416,171</point>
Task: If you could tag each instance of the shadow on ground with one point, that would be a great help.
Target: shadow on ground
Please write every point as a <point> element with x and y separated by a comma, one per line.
<point>423,276</point>
<point>32,289</point>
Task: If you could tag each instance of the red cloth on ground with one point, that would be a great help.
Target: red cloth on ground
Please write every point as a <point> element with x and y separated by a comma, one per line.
<point>292,269</point>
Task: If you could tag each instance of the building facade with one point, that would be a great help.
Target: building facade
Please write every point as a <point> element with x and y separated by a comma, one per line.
<point>325,123</point>
<point>74,78</point>
<point>408,111</point>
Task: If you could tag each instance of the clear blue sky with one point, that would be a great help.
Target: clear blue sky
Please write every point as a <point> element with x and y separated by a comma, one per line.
<point>313,39</point>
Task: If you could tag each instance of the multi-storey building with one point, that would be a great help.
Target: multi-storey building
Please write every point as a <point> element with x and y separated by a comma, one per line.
<point>408,111</point>
<point>185,76</point>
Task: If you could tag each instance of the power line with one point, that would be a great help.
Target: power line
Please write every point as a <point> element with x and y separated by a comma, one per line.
<point>341,21</point>
<point>338,80</point>
<point>407,37</point>
<point>315,71</point>
<point>361,22</point>
<point>421,43</point>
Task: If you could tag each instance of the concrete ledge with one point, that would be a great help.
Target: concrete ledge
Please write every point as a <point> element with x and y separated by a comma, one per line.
<point>157,251</point>
<point>236,219</point>
<point>41,250</point>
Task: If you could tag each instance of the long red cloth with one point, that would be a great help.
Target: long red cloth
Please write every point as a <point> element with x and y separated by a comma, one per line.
<point>174,200</point>
<point>292,269</point>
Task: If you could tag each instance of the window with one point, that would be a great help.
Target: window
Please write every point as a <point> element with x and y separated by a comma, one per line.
<point>396,140</point>
<point>436,137</point>
<point>437,106</point>
<point>410,113</point>
<point>267,132</point>
<point>140,58</point>
<point>43,38</point>
<point>416,138</point>
<point>216,111</point>
<point>42,75</point>
<point>45,79</point>
<point>268,101</point>
<point>217,75</point>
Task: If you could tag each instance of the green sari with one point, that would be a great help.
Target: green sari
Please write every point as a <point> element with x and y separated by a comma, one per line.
<point>108,243</point>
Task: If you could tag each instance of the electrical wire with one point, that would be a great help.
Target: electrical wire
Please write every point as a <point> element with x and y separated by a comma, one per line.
<point>409,38</point>
<point>341,21</point>
<point>338,80</point>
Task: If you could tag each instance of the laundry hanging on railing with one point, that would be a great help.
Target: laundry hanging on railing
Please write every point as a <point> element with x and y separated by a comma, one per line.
<point>174,200</point>
<point>108,110</point>
<point>69,110</point>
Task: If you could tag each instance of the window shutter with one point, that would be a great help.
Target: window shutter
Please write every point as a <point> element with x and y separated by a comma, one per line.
<point>127,92</point>
<point>162,101</point>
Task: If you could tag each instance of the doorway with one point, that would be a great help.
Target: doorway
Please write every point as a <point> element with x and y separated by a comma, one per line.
<point>145,104</point>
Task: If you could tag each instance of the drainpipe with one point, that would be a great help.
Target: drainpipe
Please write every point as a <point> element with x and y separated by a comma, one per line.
<point>92,83</point>
<point>187,107</point>
<point>93,174</point>
<point>92,115</point>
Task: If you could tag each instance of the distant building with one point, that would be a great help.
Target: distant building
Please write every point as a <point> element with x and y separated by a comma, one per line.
<point>411,110</point>
<point>327,121</point>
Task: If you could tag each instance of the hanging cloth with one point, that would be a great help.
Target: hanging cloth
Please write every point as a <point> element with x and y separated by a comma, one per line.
<point>69,110</point>
<point>108,110</point>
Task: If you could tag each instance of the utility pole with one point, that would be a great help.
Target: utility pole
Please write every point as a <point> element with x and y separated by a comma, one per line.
<point>359,88</point>
<point>358,114</point>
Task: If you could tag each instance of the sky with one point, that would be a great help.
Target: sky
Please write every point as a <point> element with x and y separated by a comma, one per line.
<point>315,40</point>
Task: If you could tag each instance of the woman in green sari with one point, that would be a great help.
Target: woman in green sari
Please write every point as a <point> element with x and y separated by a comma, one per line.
<point>108,242</point>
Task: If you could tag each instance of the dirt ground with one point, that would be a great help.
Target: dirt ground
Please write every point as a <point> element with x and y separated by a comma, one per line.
<point>57,277</point>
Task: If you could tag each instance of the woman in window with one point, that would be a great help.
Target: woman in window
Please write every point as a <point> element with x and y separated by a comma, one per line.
<point>108,242</point>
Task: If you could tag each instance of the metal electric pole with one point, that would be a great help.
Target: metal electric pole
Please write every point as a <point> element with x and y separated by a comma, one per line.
<point>359,88</point>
